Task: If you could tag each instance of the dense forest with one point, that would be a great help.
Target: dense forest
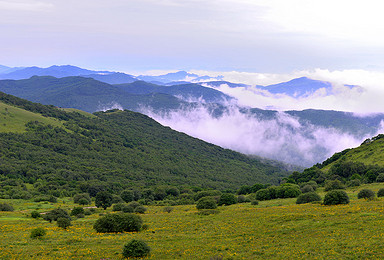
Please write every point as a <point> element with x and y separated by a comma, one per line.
<point>113,151</point>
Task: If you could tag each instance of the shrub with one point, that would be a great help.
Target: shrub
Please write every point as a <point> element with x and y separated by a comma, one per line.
<point>380,193</point>
<point>241,199</point>
<point>307,188</point>
<point>82,199</point>
<point>80,216</point>
<point>313,184</point>
<point>103,199</point>
<point>335,197</point>
<point>63,222</point>
<point>227,199</point>
<point>55,214</point>
<point>366,194</point>
<point>140,209</point>
<point>206,203</point>
<point>167,209</point>
<point>127,209</point>
<point>77,210</point>
<point>354,183</point>
<point>117,207</point>
<point>5,207</point>
<point>308,197</point>
<point>38,232</point>
<point>288,191</point>
<point>35,214</point>
<point>134,204</point>
<point>87,212</point>
<point>380,177</point>
<point>127,195</point>
<point>120,222</point>
<point>254,202</point>
<point>136,249</point>
<point>334,185</point>
<point>263,194</point>
<point>206,212</point>
<point>206,193</point>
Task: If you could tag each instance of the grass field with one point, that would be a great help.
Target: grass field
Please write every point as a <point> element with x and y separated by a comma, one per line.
<point>276,229</point>
<point>13,119</point>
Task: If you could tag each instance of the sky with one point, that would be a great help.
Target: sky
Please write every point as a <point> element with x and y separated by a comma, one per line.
<point>258,36</point>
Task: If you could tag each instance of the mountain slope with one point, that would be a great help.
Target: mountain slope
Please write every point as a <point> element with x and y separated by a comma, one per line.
<point>298,87</point>
<point>120,149</point>
<point>184,91</point>
<point>83,93</point>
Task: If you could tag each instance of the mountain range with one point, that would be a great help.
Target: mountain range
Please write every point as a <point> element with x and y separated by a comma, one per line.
<point>170,102</point>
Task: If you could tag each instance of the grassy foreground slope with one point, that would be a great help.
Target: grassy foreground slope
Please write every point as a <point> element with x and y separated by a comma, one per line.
<point>13,119</point>
<point>118,149</point>
<point>276,229</point>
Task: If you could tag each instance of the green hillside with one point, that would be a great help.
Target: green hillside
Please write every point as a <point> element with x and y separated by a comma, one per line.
<point>13,119</point>
<point>363,164</point>
<point>115,150</point>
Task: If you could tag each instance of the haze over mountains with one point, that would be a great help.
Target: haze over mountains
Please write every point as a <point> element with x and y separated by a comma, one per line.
<point>205,107</point>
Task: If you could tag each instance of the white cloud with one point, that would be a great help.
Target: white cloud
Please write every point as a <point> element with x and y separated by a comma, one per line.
<point>282,138</point>
<point>366,97</point>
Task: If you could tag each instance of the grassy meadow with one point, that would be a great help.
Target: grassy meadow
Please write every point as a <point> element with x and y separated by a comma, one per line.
<point>276,229</point>
<point>13,119</point>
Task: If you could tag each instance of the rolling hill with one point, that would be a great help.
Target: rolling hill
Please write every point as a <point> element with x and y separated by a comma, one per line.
<point>114,150</point>
<point>362,164</point>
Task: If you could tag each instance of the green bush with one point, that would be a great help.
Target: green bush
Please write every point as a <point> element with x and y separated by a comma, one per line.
<point>136,249</point>
<point>206,212</point>
<point>313,184</point>
<point>35,214</point>
<point>167,209</point>
<point>54,214</point>
<point>242,199</point>
<point>38,232</point>
<point>263,194</point>
<point>366,194</point>
<point>119,222</point>
<point>117,207</point>
<point>307,188</point>
<point>206,203</point>
<point>82,199</point>
<point>140,209</point>
<point>206,193</point>
<point>336,197</point>
<point>103,199</point>
<point>308,197</point>
<point>254,202</point>
<point>127,209</point>
<point>380,177</point>
<point>354,183</point>
<point>63,222</point>
<point>134,204</point>
<point>380,193</point>
<point>288,191</point>
<point>334,185</point>
<point>77,210</point>
<point>227,199</point>
<point>5,207</point>
<point>127,195</point>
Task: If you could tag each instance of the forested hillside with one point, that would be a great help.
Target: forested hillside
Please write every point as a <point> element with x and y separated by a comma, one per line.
<point>364,164</point>
<point>113,151</point>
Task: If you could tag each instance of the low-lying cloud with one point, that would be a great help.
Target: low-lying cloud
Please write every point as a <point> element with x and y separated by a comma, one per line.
<point>282,138</point>
<point>366,96</point>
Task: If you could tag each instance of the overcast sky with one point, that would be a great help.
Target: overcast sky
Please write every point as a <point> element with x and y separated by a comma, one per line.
<point>273,36</point>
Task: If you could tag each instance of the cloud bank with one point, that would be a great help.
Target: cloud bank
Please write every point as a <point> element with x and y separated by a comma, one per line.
<point>282,138</point>
<point>365,97</point>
